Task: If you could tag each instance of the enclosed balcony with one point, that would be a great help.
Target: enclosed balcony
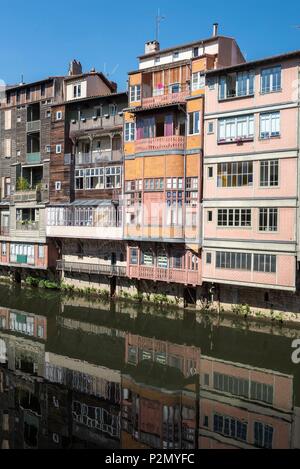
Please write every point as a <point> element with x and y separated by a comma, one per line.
<point>236,85</point>
<point>165,87</point>
<point>85,221</point>
<point>33,155</point>
<point>29,184</point>
<point>99,150</point>
<point>160,132</point>
<point>27,219</point>
<point>85,123</point>
<point>33,118</point>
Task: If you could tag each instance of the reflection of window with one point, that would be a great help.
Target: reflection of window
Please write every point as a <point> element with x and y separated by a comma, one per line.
<point>231,427</point>
<point>174,208</point>
<point>264,263</point>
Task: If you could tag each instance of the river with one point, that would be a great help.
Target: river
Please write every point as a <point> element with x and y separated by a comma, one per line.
<point>80,373</point>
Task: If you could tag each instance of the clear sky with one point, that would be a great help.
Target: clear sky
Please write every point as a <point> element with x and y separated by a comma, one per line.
<point>38,38</point>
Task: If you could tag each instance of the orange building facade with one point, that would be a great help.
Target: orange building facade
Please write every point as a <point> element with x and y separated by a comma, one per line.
<point>163,152</point>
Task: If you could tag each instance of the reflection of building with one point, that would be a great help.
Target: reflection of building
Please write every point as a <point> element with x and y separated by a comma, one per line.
<point>242,407</point>
<point>23,323</point>
<point>161,413</point>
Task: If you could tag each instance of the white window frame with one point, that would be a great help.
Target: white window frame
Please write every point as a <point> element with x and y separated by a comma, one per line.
<point>269,125</point>
<point>272,73</point>
<point>59,115</point>
<point>198,81</point>
<point>135,93</point>
<point>58,186</point>
<point>58,149</point>
<point>129,131</point>
<point>195,124</point>
<point>232,129</point>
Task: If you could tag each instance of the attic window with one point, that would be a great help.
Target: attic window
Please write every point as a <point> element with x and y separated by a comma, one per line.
<point>175,55</point>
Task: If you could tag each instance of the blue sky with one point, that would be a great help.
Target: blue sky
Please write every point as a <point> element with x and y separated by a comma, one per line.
<point>39,38</point>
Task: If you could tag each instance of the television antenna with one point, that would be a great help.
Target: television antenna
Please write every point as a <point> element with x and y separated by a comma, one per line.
<point>159,19</point>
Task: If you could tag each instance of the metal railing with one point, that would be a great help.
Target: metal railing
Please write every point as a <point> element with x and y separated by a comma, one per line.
<point>85,268</point>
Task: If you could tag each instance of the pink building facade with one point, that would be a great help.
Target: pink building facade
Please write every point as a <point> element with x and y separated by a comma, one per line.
<point>250,200</point>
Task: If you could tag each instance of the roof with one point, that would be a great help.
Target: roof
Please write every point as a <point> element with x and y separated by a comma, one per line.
<point>184,46</point>
<point>25,85</point>
<point>82,100</point>
<point>265,60</point>
<point>109,83</point>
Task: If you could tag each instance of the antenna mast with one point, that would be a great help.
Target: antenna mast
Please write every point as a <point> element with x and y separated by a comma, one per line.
<point>159,19</point>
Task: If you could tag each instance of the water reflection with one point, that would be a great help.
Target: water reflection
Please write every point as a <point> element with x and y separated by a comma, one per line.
<point>74,374</point>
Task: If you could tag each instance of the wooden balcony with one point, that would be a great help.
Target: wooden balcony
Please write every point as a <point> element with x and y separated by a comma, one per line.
<point>27,196</point>
<point>165,99</point>
<point>95,123</point>
<point>98,157</point>
<point>33,126</point>
<point>187,277</point>
<point>174,142</point>
<point>85,268</point>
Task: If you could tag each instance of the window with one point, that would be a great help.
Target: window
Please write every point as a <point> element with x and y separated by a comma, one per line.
<point>194,123</point>
<point>271,79</point>
<point>234,217</point>
<point>236,128</point>
<point>57,185</point>
<point>235,174</point>
<point>269,173</point>
<point>270,125</point>
<point>178,260</point>
<point>154,184</point>
<point>233,260</point>
<point>79,179</point>
<point>208,258</point>
<point>48,148</point>
<point>262,392</point>
<point>113,177</point>
<point>210,129</point>
<point>135,93</point>
<point>231,385</point>
<point>43,89</point>
<point>264,263</point>
<point>174,207</point>
<point>162,260</point>
<point>230,427</point>
<point>236,85</point>
<point>59,115</point>
<point>174,183</point>
<point>192,184</point>
<point>7,187</point>
<point>48,113</point>
<point>94,178</point>
<point>129,131</point>
<point>196,52</point>
<point>175,55</point>
<point>112,109</point>
<point>77,91</point>
<point>58,149</point>
<point>268,219</point>
<point>210,171</point>
<point>41,251</point>
<point>263,435</point>
<point>174,88</point>
<point>147,259</point>
<point>209,216</point>
<point>4,249</point>
<point>198,81</point>
<point>157,60</point>
<point>7,147</point>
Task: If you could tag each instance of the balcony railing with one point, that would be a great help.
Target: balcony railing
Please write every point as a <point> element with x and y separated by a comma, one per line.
<point>160,143</point>
<point>95,123</point>
<point>166,97</point>
<point>187,277</point>
<point>98,156</point>
<point>33,158</point>
<point>33,126</point>
<point>85,268</point>
<point>33,195</point>
<point>27,226</point>
<point>21,259</point>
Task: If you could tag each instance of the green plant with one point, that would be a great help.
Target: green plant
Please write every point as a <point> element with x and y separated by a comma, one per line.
<point>22,184</point>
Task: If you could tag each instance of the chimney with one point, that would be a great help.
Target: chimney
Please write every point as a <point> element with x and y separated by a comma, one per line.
<point>152,46</point>
<point>215,29</point>
<point>75,68</point>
